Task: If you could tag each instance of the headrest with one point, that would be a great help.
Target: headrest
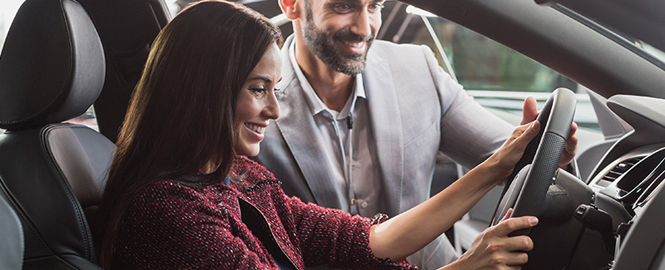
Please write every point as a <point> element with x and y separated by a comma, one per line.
<point>52,65</point>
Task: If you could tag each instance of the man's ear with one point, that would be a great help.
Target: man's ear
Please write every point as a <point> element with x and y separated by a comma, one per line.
<point>290,8</point>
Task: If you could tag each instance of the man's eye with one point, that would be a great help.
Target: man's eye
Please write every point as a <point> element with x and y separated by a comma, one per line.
<point>342,8</point>
<point>375,7</point>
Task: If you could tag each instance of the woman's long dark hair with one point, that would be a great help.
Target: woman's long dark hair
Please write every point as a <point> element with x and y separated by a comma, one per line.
<point>181,116</point>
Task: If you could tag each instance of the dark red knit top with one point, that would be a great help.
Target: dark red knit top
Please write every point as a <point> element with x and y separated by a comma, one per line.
<point>173,226</point>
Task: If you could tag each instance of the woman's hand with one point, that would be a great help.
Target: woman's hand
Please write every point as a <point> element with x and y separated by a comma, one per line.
<point>410,231</point>
<point>493,249</point>
<point>512,150</point>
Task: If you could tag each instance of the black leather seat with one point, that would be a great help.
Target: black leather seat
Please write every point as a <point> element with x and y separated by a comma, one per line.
<point>11,237</point>
<point>52,69</point>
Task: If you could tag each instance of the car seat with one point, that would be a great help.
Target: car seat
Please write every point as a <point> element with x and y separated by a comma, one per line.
<point>11,237</point>
<point>52,69</point>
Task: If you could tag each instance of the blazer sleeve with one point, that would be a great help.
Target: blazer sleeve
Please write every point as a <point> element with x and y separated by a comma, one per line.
<point>169,226</point>
<point>469,132</point>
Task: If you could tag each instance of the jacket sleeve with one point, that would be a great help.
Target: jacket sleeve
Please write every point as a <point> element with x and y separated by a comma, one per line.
<point>338,239</point>
<point>169,226</point>
<point>469,132</point>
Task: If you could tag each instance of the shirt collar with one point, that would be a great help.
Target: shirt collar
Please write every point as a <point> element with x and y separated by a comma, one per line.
<point>316,105</point>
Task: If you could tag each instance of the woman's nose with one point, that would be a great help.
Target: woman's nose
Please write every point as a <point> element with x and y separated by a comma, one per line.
<point>272,108</point>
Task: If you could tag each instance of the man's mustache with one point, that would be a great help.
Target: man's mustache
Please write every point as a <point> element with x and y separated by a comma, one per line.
<point>350,36</point>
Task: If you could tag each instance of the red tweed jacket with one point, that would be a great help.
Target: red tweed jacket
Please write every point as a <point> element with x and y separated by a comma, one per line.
<point>172,226</point>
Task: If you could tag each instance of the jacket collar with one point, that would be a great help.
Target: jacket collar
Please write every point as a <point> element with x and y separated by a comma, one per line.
<point>297,127</point>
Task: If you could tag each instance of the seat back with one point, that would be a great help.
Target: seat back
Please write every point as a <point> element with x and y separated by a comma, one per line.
<point>52,69</point>
<point>11,237</point>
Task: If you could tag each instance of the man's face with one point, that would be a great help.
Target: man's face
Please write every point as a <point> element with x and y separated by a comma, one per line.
<point>339,32</point>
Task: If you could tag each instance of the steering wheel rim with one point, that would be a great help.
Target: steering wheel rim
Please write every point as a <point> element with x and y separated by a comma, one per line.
<point>543,154</point>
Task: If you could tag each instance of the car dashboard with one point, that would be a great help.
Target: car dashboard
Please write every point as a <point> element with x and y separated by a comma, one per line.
<point>634,166</point>
<point>633,177</point>
<point>628,183</point>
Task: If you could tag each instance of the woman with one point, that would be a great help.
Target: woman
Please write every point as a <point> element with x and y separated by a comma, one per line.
<point>182,194</point>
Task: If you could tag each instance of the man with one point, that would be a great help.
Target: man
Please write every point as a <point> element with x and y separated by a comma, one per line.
<point>360,128</point>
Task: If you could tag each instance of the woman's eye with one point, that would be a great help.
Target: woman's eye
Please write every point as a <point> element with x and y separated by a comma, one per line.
<point>257,90</point>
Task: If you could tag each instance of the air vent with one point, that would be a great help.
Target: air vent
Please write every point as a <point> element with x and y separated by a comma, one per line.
<point>618,170</point>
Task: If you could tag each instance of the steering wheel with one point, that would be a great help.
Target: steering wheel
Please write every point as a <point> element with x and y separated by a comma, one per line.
<point>527,194</point>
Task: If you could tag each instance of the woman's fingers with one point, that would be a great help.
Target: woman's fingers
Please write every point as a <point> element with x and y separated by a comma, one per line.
<point>522,135</point>
<point>507,215</point>
<point>513,149</point>
<point>494,249</point>
<point>517,259</point>
<point>529,133</point>
<point>529,110</point>
<point>513,224</point>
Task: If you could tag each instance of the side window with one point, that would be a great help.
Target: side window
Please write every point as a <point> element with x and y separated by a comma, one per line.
<point>498,77</point>
<point>480,63</point>
<point>8,10</point>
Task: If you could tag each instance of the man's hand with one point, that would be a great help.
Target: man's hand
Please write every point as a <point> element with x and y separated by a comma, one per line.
<point>530,113</point>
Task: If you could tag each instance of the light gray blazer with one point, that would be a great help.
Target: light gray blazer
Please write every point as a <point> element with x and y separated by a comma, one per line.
<point>415,110</point>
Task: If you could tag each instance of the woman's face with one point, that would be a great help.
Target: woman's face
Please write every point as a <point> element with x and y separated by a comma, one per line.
<point>256,102</point>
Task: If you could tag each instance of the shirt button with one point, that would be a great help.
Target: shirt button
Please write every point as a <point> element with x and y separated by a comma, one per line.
<point>363,205</point>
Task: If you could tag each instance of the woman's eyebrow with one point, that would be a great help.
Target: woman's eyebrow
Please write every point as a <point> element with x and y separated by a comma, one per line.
<point>262,78</point>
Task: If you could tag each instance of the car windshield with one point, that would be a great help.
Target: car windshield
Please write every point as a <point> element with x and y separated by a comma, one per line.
<point>641,48</point>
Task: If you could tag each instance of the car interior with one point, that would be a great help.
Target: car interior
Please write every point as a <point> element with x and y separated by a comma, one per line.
<point>52,172</point>
<point>61,57</point>
<point>11,246</point>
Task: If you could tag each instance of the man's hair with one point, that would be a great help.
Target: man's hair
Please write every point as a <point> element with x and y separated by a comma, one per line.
<point>182,112</point>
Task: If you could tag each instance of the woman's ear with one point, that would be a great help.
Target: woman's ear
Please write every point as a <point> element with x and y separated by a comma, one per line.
<point>290,8</point>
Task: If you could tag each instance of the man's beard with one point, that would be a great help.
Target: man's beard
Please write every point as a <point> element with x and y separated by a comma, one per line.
<point>323,46</point>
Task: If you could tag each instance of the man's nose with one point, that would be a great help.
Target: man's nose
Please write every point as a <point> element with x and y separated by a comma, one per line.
<point>362,24</point>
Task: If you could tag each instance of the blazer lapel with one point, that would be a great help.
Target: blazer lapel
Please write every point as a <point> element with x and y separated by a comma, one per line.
<point>384,113</point>
<point>299,131</point>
